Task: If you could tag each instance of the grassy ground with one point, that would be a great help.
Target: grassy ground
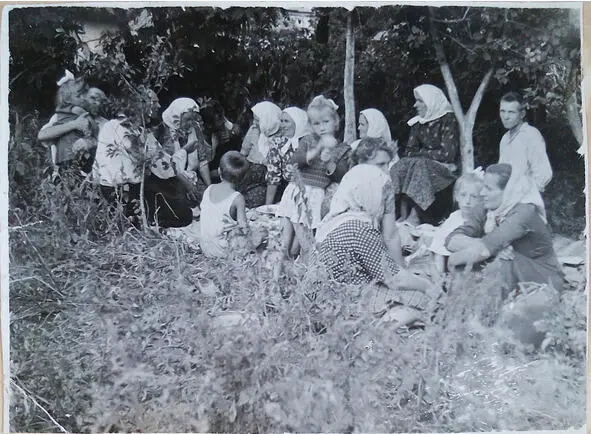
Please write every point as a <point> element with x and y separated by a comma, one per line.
<point>128,331</point>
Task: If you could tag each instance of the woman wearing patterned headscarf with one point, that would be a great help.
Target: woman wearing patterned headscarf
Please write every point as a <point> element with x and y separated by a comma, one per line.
<point>429,164</point>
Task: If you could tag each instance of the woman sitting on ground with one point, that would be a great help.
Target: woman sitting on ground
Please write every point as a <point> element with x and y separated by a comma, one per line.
<point>172,190</point>
<point>428,166</point>
<point>513,229</point>
<point>280,167</point>
<point>377,152</point>
<point>372,123</point>
<point>255,147</point>
<point>349,241</point>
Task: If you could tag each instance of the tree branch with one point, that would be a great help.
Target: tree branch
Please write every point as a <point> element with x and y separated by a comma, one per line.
<point>446,71</point>
<point>452,21</point>
<point>471,114</point>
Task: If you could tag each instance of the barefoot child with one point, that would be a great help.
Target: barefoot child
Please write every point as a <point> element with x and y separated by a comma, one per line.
<point>223,210</point>
<point>467,195</point>
<point>320,160</point>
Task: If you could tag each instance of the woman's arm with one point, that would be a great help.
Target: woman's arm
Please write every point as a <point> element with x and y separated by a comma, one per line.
<point>466,235</point>
<point>460,242</point>
<point>392,238</point>
<point>53,132</point>
<point>249,140</point>
<point>475,253</point>
<point>515,226</point>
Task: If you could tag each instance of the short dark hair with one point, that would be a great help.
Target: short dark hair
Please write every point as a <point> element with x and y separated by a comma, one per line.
<point>503,172</point>
<point>233,167</point>
<point>513,97</point>
<point>368,148</point>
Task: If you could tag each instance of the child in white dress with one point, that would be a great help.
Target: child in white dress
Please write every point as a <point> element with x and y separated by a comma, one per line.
<point>223,211</point>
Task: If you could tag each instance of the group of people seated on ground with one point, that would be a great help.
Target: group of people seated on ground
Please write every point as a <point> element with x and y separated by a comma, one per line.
<point>336,201</point>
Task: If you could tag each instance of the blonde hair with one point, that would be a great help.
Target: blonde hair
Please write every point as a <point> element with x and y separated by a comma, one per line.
<point>463,181</point>
<point>320,103</point>
<point>70,93</point>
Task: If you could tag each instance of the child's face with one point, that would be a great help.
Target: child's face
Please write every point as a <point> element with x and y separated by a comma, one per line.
<point>323,122</point>
<point>94,100</point>
<point>288,126</point>
<point>469,197</point>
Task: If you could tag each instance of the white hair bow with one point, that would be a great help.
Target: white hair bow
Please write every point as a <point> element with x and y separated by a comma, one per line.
<point>68,76</point>
<point>322,98</point>
<point>478,172</point>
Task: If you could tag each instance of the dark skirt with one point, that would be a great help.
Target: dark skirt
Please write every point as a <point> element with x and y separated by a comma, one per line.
<point>420,179</point>
<point>254,186</point>
<point>527,270</point>
<point>167,203</point>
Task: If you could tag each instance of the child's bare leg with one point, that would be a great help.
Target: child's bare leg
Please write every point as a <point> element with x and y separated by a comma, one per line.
<point>413,217</point>
<point>294,250</point>
<point>287,236</point>
<point>439,263</point>
<point>303,236</point>
<point>404,208</point>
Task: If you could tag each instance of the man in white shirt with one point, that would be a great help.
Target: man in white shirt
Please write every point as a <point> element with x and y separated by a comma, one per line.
<point>523,146</point>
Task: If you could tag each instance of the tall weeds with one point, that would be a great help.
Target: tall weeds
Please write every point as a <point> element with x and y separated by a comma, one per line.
<point>118,330</point>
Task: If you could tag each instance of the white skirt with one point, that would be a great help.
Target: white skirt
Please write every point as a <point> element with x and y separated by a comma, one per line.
<point>305,209</point>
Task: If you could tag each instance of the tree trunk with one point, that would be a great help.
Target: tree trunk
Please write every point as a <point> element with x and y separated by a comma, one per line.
<point>349,82</point>
<point>468,119</point>
<point>573,115</point>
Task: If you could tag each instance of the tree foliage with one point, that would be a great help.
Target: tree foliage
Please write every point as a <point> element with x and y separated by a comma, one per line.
<point>242,55</point>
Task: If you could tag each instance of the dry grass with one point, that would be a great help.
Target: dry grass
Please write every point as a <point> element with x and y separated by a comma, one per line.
<point>136,332</point>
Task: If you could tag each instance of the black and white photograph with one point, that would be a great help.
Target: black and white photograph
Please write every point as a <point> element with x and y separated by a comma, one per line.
<point>294,217</point>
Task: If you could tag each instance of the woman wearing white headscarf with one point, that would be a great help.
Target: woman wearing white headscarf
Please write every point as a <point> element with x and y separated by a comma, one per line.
<point>372,123</point>
<point>173,190</point>
<point>294,125</point>
<point>349,240</point>
<point>429,164</point>
<point>513,228</point>
<point>255,147</point>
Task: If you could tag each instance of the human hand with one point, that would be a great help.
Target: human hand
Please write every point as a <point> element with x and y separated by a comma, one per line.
<point>507,254</point>
<point>327,142</point>
<point>190,187</point>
